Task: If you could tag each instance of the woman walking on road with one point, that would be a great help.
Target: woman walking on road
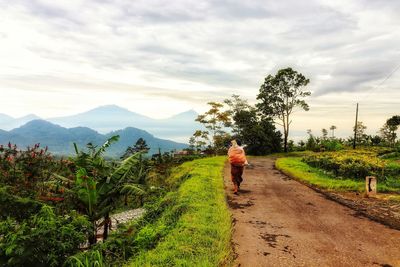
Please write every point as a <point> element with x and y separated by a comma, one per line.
<point>237,159</point>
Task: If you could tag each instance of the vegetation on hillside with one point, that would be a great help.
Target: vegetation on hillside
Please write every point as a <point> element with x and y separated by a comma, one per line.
<point>52,208</point>
<point>201,234</point>
<point>346,169</point>
<point>188,226</point>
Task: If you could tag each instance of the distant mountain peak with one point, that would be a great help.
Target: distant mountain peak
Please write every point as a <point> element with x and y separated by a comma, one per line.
<point>190,111</point>
<point>190,114</point>
<point>110,107</point>
<point>30,117</point>
<point>39,122</point>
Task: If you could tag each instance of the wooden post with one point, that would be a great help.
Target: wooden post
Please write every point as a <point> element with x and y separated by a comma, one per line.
<point>370,185</point>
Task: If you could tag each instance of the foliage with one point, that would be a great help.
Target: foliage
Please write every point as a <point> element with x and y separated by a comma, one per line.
<point>388,130</point>
<point>92,259</point>
<point>256,132</point>
<point>215,119</point>
<point>394,121</point>
<point>295,167</point>
<point>280,94</point>
<point>324,134</point>
<point>26,172</point>
<point>139,147</point>
<point>356,165</point>
<point>19,208</point>
<point>198,140</point>
<point>324,143</point>
<point>259,134</point>
<point>201,235</point>
<point>45,239</point>
<point>311,143</point>
<point>100,184</point>
<point>361,137</point>
<point>35,234</point>
<point>332,145</point>
<point>237,105</point>
<point>192,216</point>
<point>333,128</point>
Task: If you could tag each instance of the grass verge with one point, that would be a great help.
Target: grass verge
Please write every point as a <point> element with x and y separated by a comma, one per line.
<point>295,167</point>
<point>202,231</point>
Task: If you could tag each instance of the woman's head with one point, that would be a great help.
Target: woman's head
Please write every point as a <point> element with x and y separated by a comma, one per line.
<point>236,142</point>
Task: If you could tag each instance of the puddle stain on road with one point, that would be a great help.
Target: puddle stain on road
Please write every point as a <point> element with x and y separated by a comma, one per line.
<point>237,205</point>
<point>272,239</point>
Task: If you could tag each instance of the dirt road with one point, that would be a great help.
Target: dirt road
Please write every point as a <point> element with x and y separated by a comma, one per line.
<point>280,222</point>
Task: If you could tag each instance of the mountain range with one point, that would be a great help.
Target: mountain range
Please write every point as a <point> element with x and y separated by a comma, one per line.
<point>105,119</point>
<point>60,139</point>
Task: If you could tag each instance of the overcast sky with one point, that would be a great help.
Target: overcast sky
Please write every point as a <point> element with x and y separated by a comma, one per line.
<point>159,58</point>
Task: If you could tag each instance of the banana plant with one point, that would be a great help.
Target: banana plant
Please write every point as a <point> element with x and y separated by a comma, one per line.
<point>100,184</point>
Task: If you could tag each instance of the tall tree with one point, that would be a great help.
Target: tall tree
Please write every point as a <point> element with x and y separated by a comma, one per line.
<point>324,133</point>
<point>235,106</point>
<point>139,146</point>
<point>388,130</point>
<point>333,128</point>
<point>279,96</point>
<point>393,124</point>
<point>215,119</point>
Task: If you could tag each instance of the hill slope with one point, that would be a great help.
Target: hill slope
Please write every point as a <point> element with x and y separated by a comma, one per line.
<point>103,119</point>
<point>8,122</point>
<point>60,140</point>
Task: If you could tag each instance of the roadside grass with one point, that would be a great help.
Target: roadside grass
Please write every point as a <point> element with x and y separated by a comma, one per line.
<point>289,154</point>
<point>201,230</point>
<point>295,167</point>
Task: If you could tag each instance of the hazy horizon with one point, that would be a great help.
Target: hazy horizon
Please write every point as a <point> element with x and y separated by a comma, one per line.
<point>86,110</point>
<point>159,59</point>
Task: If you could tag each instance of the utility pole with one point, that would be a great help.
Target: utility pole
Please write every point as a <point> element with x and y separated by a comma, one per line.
<point>355,129</point>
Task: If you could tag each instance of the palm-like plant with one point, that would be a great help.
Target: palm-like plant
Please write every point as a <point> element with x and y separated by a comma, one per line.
<point>100,184</point>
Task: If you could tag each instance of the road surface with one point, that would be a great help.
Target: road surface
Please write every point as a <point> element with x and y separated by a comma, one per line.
<point>280,222</point>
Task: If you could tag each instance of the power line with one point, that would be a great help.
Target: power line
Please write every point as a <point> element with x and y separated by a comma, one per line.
<point>381,83</point>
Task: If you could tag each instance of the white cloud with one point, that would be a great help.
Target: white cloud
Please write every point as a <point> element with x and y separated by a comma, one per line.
<point>174,55</point>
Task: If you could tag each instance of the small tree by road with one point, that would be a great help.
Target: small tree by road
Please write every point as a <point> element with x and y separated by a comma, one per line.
<point>215,119</point>
<point>198,140</point>
<point>388,130</point>
<point>333,128</point>
<point>361,137</point>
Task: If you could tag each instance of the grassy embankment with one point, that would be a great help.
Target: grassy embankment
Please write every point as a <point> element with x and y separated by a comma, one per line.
<point>201,234</point>
<point>295,167</point>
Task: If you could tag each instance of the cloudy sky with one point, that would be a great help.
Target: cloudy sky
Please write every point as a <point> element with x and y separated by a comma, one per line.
<point>159,58</point>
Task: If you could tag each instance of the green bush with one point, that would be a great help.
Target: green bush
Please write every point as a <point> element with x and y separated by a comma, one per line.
<point>356,164</point>
<point>332,145</point>
<point>19,208</point>
<point>44,239</point>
